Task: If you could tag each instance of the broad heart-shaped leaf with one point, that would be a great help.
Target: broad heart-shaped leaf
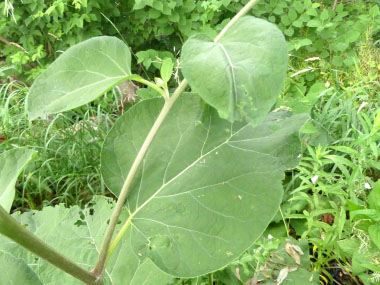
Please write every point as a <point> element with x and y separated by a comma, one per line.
<point>12,163</point>
<point>80,75</point>
<point>78,234</point>
<point>15,271</point>
<point>241,75</point>
<point>207,189</point>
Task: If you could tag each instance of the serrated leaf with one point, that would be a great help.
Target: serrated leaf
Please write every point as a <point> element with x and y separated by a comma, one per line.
<point>80,75</point>
<point>241,75</point>
<point>12,162</point>
<point>15,271</point>
<point>201,196</point>
<point>78,234</point>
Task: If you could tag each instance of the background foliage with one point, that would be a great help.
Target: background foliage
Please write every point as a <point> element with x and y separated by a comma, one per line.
<point>34,33</point>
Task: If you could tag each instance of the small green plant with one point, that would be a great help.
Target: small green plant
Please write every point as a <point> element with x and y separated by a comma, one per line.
<point>54,176</point>
<point>337,169</point>
<point>364,245</point>
<point>327,44</point>
<point>197,175</point>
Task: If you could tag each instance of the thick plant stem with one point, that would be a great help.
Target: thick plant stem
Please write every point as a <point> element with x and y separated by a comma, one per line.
<point>99,267</point>
<point>105,250</point>
<point>16,232</point>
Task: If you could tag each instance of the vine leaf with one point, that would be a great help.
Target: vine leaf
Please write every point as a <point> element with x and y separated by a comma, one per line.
<point>78,234</point>
<point>80,75</point>
<point>240,75</point>
<point>206,188</point>
<point>12,162</point>
<point>16,271</point>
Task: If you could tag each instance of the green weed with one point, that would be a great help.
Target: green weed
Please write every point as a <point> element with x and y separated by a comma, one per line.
<point>68,145</point>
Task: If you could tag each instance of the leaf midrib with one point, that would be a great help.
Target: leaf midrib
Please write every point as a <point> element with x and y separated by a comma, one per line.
<point>68,94</point>
<point>232,72</point>
<point>190,166</point>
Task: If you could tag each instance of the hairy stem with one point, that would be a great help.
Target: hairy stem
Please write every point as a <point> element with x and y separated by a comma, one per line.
<point>105,250</point>
<point>16,232</point>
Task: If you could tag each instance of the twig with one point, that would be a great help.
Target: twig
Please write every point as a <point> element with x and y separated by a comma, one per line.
<point>334,5</point>
<point>8,43</point>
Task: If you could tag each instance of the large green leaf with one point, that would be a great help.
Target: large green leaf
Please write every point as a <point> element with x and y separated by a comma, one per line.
<point>81,74</point>
<point>129,269</point>
<point>78,234</point>
<point>206,188</point>
<point>15,271</point>
<point>12,163</point>
<point>241,75</point>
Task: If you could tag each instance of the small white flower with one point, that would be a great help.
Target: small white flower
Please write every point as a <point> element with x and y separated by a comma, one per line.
<point>270,236</point>
<point>299,156</point>
<point>367,186</point>
<point>314,179</point>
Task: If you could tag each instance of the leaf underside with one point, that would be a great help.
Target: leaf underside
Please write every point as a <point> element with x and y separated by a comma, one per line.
<point>241,75</point>
<point>15,271</point>
<point>12,162</point>
<point>78,234</point>
<point>80,75</point>
<point>201,195</point>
